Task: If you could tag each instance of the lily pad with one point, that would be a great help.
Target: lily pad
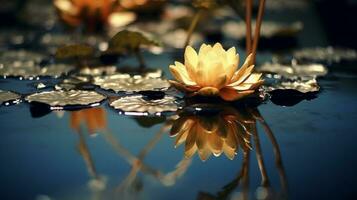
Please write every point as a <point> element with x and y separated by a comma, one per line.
<point>30,70</point>
<point>139,105</point>
<point>98,71</point>
<point>303,84</point>
<point>128,83</point>
<point>8,98</point>
<point>130,40</point>
<point>59,100</point>
<point>329,54</point>
<point>294,69</point>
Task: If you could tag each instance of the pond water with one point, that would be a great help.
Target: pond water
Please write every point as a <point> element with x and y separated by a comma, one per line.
<point>303,151</point>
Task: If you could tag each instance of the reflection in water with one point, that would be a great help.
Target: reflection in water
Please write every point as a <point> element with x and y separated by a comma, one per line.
<point>224,130</point>
<point>130,186</point>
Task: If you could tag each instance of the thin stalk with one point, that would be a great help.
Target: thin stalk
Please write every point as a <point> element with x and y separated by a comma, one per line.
<point>245,178</point>
<point>257,28</point>
<point>248,23</point>
<point>193,26</point>
<point>87,157</point>
<point>140,58</point>
<point>259,155</point>
<point>277,153</point>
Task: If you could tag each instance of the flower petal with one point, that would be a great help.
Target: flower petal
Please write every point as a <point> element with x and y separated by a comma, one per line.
<point>179,72</point>
<point>242,75</point>
<point>208,91</point>
<point>191,61</point>
<point>244,67</point>
<point>230,94</point>
<point>183,88</point>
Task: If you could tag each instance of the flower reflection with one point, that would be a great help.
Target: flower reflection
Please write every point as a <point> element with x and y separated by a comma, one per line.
<point>93,118</point>
<point>224,132</point>
<point>213,72</point>
<point>239,187</point>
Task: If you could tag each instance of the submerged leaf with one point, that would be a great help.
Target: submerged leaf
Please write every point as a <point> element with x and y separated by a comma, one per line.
<point>74,51</point>
<point>59,100</point>
<point>138,105</point>
<point>130,40</point>
<point>7,98</point>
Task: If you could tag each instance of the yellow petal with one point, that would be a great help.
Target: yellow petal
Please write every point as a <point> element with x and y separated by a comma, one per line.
<point>208,91</point>
<point>242,76</point>
<point>248,86</point>
<point>230,94</point>
<point>241,71</point>
<point>232,62</point>
<point>253,78</point>
<point>180,74</point>
<point>204,49</point>
<point>191,61</point>
<point>183,88</point>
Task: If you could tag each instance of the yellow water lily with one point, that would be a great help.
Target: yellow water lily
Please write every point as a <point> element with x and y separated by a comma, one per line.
<point>213,72</point>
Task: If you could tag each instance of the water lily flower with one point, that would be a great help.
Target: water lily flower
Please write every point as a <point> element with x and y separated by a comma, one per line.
<point>213,72</point>
<point>225,132</point>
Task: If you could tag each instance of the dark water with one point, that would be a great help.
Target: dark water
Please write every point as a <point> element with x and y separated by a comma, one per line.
<point>313,157</point>
<point>40,156</point>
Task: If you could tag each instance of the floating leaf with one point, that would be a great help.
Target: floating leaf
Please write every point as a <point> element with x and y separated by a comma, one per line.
<point>127,83</point>
<point>74,51</point>
<point>7,98</point>
<point>138,105</point>
<point>29,70</point>
<point>328,54</point>
<point>303,84</point>
<point>9,57</point>
<point>98,71</point>
<point>130,40</point>
<point>59,100</point>
<point>294,69</point>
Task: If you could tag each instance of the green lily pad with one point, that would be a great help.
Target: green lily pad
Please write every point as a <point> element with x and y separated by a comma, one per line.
<point>130,40</point>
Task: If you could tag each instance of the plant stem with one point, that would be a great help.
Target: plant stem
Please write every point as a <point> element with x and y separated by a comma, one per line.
<point>248,23</point>
<point>257,28</point>
<point>140,59</point>
<point>193,26</point>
